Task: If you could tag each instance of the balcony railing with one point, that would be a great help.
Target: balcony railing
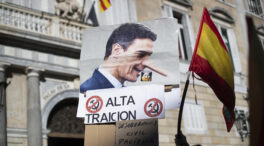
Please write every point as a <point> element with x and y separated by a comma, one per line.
<point>38,22</point>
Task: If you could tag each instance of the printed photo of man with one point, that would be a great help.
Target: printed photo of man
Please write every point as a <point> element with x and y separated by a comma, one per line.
<point>127,54</point>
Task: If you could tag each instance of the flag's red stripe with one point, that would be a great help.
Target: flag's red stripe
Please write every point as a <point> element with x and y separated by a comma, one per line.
<point>197,42</point>
<point>222,90</point>
<point>109,2</point>
<point>103,5</point>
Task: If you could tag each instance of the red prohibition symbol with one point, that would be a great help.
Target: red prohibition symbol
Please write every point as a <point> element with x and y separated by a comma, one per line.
<point>153,107</point>
<point>94,104</point>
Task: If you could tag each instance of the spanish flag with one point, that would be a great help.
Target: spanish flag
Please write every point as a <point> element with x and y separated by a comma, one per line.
<point>104,4</point>
<point>212,62</point>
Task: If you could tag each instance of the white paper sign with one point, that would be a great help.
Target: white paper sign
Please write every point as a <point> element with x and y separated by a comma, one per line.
<point>173,98</point>
<point>120,104</point>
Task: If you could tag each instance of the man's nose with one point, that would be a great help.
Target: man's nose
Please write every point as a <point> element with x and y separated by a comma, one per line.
<point>148,64</point>
<point>141,66</point>
<point>143,62</point>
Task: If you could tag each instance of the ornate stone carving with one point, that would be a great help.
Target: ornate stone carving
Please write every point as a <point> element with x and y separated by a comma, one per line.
<point>69,9</point>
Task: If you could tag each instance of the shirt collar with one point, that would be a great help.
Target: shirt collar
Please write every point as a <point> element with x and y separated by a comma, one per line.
<point>110,77</point>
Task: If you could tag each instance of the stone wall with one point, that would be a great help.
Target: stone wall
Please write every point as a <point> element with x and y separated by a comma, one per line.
<point>147,10</point>
<point>17,101</point>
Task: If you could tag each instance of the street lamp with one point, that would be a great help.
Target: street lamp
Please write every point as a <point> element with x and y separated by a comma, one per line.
<point>241,124</point>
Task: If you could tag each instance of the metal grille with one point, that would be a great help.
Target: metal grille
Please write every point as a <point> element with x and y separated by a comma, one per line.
<point>194,118</point>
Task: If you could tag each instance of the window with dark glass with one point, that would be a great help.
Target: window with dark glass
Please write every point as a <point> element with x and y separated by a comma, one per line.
<point>255,6</point>
<point>225,38</point>
<point>181,39</point>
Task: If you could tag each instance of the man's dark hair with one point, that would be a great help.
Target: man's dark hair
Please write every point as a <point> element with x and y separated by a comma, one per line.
<point>125,34</point>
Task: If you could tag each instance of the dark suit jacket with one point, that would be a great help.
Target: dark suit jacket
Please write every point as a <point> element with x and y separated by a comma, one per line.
<point>97,81</point>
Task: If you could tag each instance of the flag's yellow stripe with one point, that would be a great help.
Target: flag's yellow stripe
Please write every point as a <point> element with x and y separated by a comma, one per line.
<point>210,49</point>
<point>106,3</point>
<point>101,8</point>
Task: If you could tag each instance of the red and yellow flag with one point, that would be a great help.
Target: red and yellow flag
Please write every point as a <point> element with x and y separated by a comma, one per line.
<point>212,62</point>
<point>104,4</point>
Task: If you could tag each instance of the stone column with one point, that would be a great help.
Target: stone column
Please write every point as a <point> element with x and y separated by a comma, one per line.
<point>3,123</point>
<point>34,125</point>
<point>241,17</point>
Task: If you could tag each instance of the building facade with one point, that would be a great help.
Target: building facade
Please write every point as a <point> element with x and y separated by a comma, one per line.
<point>39,68</point>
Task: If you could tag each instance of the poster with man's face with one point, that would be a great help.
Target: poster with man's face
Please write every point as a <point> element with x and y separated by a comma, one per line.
<point>139,59</point>
<point>124,68</point>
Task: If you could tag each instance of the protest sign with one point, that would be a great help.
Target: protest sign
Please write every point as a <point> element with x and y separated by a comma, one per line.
<point>135,60</point>
<point>137,133</point>
<point>119,104</point>
<point>116,56</point>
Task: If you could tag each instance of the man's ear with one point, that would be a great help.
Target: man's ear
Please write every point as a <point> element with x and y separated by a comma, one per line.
<point>116,50</point>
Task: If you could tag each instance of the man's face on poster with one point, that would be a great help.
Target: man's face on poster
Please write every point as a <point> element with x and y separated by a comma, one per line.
<point>134,59</point>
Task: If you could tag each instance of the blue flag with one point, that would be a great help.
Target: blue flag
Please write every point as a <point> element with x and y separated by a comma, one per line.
<point>92,16</point>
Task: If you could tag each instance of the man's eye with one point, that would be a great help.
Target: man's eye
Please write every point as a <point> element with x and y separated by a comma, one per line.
<point>141,55</point>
